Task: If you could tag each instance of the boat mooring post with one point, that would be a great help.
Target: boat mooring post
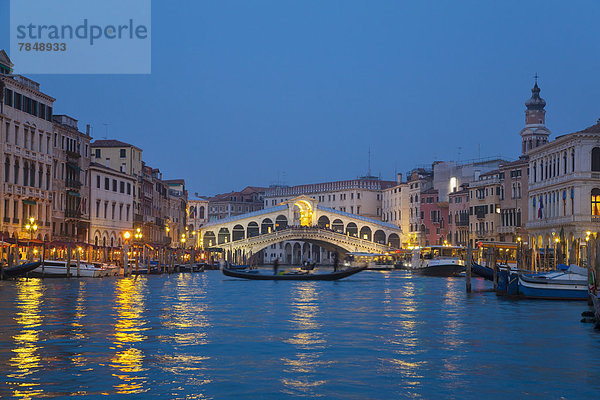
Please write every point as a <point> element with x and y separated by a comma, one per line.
<point>78,264</point>
<point>2,260</point>
<point>68,260</point>
<point>469,263</point>
<point>492,256</point>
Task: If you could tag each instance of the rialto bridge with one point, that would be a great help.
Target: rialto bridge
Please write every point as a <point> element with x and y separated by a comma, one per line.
<point>299,219</point>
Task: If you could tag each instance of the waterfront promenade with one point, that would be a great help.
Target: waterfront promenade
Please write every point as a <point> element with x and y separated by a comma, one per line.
<point>374,335</point>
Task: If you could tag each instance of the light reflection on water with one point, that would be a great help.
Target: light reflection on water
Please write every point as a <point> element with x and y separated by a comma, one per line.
<point>374,335</point>
<point>301,371</point>
<point>26,359</point>
<point>129,331</point>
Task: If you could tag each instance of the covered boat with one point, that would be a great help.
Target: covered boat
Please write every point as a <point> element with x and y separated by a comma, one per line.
<point>292,276</point>
<point>58,269</point>
<point>438,261</point>
<point>565,283</point>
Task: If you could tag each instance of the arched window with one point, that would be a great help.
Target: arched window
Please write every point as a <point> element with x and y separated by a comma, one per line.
<point>25,173</point>
<point>201,212</point>
<point>32,175</point>
<point>6,169</point>
<point>596,202</point>
<point>16,175</point>
<point>596,159</point>
<point>572,160</point>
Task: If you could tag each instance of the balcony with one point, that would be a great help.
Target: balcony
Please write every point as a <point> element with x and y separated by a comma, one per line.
<point>463,222</point>
<point>507,229</point>
<point>72,214</point>
<point>73,156</point>
<point>138,218</point>
<point>586,176</point>
<point>73,183</point>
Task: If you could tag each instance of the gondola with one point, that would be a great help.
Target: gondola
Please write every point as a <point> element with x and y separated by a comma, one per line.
<point>483,271</point>
<point>20,270</point>
<point>296,276</point>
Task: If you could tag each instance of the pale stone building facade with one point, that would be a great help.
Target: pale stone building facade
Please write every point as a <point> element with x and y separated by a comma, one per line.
<point>111,202</point>
<point>27,148</point>
<point>564,187</point>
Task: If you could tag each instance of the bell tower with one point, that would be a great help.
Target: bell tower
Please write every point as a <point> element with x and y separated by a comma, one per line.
<point>535,132</point>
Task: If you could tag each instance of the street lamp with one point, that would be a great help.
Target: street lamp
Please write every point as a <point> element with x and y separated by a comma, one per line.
<point>31,227</point>
<point>126,236</point>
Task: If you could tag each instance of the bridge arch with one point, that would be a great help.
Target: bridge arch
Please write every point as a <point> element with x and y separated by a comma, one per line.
<point>323,222</point>
<point>296,254</point>
<point>253,229</point>
<point>287,253</point>
<point>337,225</point>
<point>352,229</point>
<point>281,222</point>
<point>238,232</point>
<point>379,236</point>
<point>365,233</point>
<point>304,213</point>
<point>266,226</point>
<point>394,241</point>
<point>224,236</point>
<point>209,239</point>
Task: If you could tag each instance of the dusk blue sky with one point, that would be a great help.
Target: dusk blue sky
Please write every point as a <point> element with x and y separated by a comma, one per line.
<point>249,92</point>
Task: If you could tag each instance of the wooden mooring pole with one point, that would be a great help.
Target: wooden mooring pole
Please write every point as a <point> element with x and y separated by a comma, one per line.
<point>469,264</point>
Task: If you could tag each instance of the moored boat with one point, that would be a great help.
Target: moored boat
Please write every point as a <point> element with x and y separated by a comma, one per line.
<point>20,270</point>
<point>292,276</point>
<point>566,283</point>
<point>58,269</point>
<point>442,261</point>
<point>482,271</point>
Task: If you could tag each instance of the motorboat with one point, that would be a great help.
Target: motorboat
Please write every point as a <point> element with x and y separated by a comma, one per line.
<point>58,269</point>
<point>438,261</point>
<point>564,283</point>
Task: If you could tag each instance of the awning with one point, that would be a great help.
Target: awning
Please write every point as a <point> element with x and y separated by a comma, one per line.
<point>30,202</point>
<point>74,166</point>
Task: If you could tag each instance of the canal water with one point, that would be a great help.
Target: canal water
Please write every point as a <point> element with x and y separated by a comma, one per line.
<point>374,335</point>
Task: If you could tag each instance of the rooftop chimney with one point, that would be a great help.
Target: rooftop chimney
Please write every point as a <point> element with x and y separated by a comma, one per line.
<point>87,129</point>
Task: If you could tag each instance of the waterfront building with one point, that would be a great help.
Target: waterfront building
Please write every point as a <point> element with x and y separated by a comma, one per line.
<point>395,210</point>
<point>70,181</point>
<point>564,187</point>
<point>484,207</point>
<point>154,204</point>
<point>176,216</point>
<point>458,216</point>
<point>420,180</point>
<point>123,157</point>
<point>197,216</point>
<point>449,176</point>
<point>434,218</point>
<point>111,201</point>
<point>226,205</point>
<point>361,196</point>
<point>26,137</point>
<point>513,201</point>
